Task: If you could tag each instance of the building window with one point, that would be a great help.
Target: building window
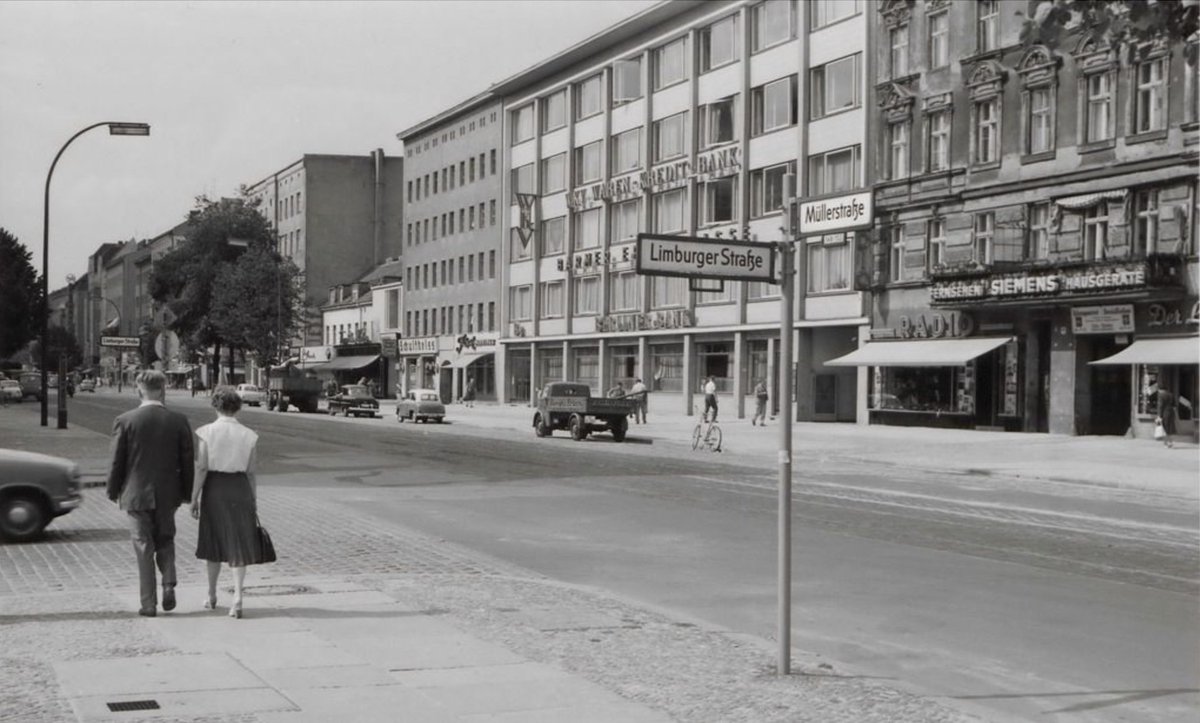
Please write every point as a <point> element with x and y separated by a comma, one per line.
<point>939,140</point>
<point>588,97</point>
<point>491,163</point>
<point>552,299</point>
<point>586,228</point>
<point>719,200</point>
<point>669,137</point>
<point>666,363</point>
<point>522,182</point>
<point>670,210</point>
<point>936,235</point>
<point>623,291</point>
<point>554,173</point>
<point>587,366</point>
<point>1039,120</point>
<point>898,58</point>
<point>554,111</point>
<point>766,189</point>
<point>491,264</point>
<point>588,162</point>
<point>492,212</point>
<point>898,149</point>
<point>835,87</point>
<point>587,295</point>
<point>896,253</point>
<point>627,152</point>
<point>987,25</point>
<point>491,317</point>
<point>668,291</point>
<point>1095,232</point>
<point>759,290</point>
<point>670,63</point>
<point>717,122</point>
<point>987,131</point>
<point>553,236</point>
<point>718,43</point>
<point>772,23</point>
<point>1039,231</point>
<point>626,220</point>
<point>833,171</point>
<point>627,80</point>
<point>773,105</point>
<point>1149,106</point>
<point>522,124</point>
<point>983,237</point>
<point>521,303</point>
<point>1098,120</point>
<point>826,12</point>
<point>470,173</point>
<point>939,39</point>
<point>471,217</point>
<point>829,263</point>
<point>519,250</point>
<point>1145,222</point>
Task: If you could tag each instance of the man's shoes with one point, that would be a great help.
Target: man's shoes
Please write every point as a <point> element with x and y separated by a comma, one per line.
<point>147,613</point>
<point>168,601</point>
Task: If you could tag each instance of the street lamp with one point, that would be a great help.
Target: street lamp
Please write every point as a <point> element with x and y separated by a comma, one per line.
<point>115,128</point>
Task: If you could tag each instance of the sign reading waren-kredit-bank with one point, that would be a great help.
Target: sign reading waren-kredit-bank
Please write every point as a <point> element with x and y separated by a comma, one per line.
<point>705,258</point>
<point>835,214</point>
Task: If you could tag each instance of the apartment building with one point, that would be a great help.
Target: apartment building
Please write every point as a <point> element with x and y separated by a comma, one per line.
<point>453,229</point>
<point>685,119</point>
<point>1036,226</point>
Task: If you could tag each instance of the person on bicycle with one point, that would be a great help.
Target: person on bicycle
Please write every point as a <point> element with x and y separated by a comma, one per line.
<point>710,399</point>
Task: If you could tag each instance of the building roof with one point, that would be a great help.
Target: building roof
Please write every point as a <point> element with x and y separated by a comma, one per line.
<point>307,157</point>
<point>469,104</point>
<point>390,269</point>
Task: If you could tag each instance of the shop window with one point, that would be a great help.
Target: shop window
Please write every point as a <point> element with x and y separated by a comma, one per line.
<point>624,365</point>
<point>587,295</point>
<point>835,87</point>
<point>718,43</point>
<point>668,291</point>
<point>715,359</point>
<point>670,63</point>
<point>772,23</point>
<point>719,200</point>
<point>666,364</point>
<point>717,122</point>
<point>766,189</point>
<point>626,220</point>
<point>551,363</point>
<point>586,227</point>
<point>587,367</point>
<point>553,236</point>
<point>917,389</point>
<point>898,51</point>
<point>626,152</point>
<point>829,263</point>
<point>773,105</point>
<point>588,97</point>
<point>554,111</point>
<point>554,173</point>
<point>627,80</point>
<point>669,137</point>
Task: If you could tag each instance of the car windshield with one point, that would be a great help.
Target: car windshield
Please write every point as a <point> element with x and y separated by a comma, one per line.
<point>429,397</point>
<point>355,390</point>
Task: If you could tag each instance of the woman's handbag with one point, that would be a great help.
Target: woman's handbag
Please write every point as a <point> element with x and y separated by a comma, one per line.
<point>1160,432</point>
<point>266,548</point>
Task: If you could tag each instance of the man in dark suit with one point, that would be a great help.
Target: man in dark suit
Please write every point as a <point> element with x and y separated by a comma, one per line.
<point>150,476</point>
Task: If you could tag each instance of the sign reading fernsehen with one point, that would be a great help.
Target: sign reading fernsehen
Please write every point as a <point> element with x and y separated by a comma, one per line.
<point>705,258</point>
<point>125,342</point>
<point>836,213</point>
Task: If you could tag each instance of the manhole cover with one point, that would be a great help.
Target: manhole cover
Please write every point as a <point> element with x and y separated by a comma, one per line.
<point>277,590</point>
<point>129,705</point>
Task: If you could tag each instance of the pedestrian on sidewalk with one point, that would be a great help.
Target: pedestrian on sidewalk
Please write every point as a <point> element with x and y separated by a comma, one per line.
<point>760,402</point>
<point>710,398</point>
<point>468,396</point>
<point>638,392</point>
<point>149,477</point>
<point>1168,415</point>
<point>226,498</point>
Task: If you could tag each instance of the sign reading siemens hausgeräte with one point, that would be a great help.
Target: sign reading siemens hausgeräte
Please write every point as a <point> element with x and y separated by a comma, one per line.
<point>705,258</point>
<point>835,214</point>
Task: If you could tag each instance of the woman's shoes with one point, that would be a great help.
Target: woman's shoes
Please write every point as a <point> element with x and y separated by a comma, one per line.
<point>235,610</point>
<point>211,603</point>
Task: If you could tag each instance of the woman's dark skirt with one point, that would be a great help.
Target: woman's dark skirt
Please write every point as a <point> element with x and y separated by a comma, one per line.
<point>228,521</point>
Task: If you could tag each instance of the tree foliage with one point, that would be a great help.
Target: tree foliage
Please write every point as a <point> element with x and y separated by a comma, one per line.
<point>1120,23</point>
<point>59,341</point>
<point>257,303</point>
<point>20,296</point>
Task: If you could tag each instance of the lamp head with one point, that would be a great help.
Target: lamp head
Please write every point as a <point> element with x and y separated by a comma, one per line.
<point>129,129</point>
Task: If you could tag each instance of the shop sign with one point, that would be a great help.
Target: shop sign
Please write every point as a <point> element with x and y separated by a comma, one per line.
<point>723,162</point>
<point>475,343</point>
<point>934,325</point>
<point>836,214</point>
<point>1161,315</point>
<point>417,345</point>
<point>705,258</point>
<point>1115,319</point>
<point>1034,284</point>
<point>316,354</point>
<point>595,260</point>
<point>389,345</point>
<point>673,319</point>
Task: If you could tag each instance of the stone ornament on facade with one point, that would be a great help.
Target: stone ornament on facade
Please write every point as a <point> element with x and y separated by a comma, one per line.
<point>896,100</point>
<point>895,13</point>
<point>986,79</point>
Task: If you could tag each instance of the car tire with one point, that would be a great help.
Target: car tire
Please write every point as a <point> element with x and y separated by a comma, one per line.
<point>539,426</point>
<point>22,518</point>
<point>578,433</point>
<point>399,418</point>
<point>619,428</point>
<point>412,416</point>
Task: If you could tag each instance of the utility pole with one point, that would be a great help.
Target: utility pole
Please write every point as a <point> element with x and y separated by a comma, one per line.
<point>784,534</point>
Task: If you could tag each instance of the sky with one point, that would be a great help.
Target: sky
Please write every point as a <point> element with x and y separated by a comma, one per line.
<point>233,92</point>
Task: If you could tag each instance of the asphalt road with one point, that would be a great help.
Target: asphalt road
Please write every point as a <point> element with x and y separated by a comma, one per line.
<point>1011,600</point>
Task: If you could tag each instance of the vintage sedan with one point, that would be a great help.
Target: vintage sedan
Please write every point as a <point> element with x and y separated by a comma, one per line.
<point>354,399</point>
<point>87,385</point>
<point>251,395</point>
<point>10,390</point>
<point>34,489</point>
<point>420,405</point>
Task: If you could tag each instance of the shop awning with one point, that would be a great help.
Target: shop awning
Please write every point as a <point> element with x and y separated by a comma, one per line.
<point>344,363</point>
<point>1169,350</point>
<point>1087,200</point>
<point>463,360</point>
<point>926,353</point>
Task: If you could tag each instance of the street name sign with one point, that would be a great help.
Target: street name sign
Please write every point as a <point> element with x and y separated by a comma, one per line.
<point>705,258</point>
<point>121,342</point>
<point>833,214</point>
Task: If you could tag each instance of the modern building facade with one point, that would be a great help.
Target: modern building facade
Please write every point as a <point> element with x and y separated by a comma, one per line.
<point>337,217</point>
<point>453,229</point>
<point>685,119</point>
<point>1035,216</point>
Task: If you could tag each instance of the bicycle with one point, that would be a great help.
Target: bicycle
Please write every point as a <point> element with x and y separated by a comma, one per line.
<point>707,434</point>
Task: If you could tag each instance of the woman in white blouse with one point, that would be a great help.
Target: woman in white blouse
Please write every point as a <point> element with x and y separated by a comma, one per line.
<point>224,498</point>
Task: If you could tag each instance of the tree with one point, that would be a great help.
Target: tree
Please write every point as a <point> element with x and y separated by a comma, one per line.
<point>257,303</point>
<point>60,341</point>
<point>20,296</point>
<point>184,279</point>
<point>1133,23</point>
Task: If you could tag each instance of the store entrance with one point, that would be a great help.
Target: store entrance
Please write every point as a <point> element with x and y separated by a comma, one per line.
<point>1111,389</point>
<point>985,391</point>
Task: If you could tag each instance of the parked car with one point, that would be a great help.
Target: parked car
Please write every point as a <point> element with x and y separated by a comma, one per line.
<point>354,399</point>
<point>31,385</point>
<point>87,385</point>
<point>420,405</point>
<point>251,395</point>
<point>570,406</point>
<point>34,489</point>
<point>10,390</point>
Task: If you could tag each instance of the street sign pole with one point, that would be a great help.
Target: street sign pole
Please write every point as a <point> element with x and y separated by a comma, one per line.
<point>62,391</point>
<point>787,292</point>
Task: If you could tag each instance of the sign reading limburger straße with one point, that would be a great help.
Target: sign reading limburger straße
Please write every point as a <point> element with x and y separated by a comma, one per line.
<point>705,258</point>
<point>834,214</point>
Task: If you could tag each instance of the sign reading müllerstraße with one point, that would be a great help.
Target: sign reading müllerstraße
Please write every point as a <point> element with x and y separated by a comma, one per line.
<point>705,258</point>
<point>836,214</point>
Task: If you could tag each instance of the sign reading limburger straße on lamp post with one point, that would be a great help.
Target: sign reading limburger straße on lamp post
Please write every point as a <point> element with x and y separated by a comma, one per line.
<point>705,258</point>
<point>835,214</point>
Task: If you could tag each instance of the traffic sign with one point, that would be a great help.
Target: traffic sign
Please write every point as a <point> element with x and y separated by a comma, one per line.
<point>121,342</point>
<point>705,258</point>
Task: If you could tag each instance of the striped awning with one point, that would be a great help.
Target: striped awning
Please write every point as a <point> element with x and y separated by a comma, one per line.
<point>1087,200</point>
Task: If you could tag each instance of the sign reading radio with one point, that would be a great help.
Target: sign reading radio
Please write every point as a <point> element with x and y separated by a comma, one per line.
<point>1065,282</point>
<point>705,258</point>
<point>715,163</point>
<point>673,319</point>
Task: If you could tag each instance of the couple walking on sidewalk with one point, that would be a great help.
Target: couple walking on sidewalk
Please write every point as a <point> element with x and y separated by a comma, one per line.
<point>156,467</point>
